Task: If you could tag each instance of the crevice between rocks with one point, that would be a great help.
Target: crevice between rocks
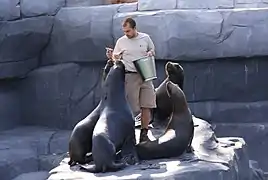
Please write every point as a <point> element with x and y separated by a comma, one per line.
<point>49,141</point>
<point>47,44</point>
<point>68,108</point>
<point>98,80</point>
<point>112,25</point>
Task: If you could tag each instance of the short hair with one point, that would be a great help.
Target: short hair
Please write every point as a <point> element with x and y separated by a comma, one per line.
<point>130,21</point>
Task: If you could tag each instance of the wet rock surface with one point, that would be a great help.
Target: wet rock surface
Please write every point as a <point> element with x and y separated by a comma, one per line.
<point>41,175</point>
<point>33,151</point>
<point>226,159</point>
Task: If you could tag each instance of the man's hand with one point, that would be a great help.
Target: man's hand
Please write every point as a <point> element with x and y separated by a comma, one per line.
<point>150,53</point>
<point>118,56</point>
<point>109,53</point>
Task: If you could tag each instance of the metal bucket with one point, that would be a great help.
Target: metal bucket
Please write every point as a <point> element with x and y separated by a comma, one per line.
<point>146,68</point>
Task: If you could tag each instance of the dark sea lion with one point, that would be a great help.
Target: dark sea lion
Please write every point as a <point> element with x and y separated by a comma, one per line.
<point>115,128</point>
<point>80,142</point>
<point>178,133</point>
<point>175,74</point>
<point>160,114</point>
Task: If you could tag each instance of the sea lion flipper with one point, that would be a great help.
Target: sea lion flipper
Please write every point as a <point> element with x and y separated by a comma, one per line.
<point>94,169</point>
<point>90,168</point>
<point>128,151</point>
<point>117,166</point>
<point>71,162</point>
<point>190,149</point>
<point>88,158</point>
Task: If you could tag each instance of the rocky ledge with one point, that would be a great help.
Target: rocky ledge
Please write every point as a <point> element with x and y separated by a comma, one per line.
<point>31,152</point>
<point>25,150</point>
<point>226,159</point>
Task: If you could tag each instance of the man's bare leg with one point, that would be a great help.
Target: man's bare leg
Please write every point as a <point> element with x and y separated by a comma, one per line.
<point>145,120</point>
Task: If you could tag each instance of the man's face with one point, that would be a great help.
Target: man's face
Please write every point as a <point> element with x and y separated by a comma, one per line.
<point>129,32</point>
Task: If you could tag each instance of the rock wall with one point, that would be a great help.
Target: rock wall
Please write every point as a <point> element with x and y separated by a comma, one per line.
<point>52,51</point>
<point>148,5</point>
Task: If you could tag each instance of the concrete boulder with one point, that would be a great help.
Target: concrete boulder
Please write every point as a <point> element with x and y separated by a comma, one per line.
<point>225,90</point>
<point>251,3</point>
<point>80,35</point>
<point>10,105</point>
<point>255,134</point>
<point>9,10</point>
<point>84,3</point>
<point>149,5</point>
<point>21,44</point>
<point>225,160</point>
<point>42,175</point>
<point>40,7</point>
<point>66,91</point>
<point>197,34</point>
<point>206,4</point>
<point>25,150</point>
<point>127,7</point>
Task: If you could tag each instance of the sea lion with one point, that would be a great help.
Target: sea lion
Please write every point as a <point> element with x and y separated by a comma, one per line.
<point>175,74</point>
<point>80,142</point>
<point>115,128</point>
<point>178,133</point>
<point>160,114</point>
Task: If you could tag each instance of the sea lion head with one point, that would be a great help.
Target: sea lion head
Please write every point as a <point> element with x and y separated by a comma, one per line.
<point>114,84</point>
<point>175,73</point>
<point>107,68</point>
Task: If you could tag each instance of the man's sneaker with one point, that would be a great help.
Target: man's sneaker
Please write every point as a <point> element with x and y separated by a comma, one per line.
<point>138,120</point>
<point>143,135</point>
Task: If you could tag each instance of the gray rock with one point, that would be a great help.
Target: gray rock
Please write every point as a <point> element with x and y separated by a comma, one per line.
<point>67,91</point>
<point>198,34</point>
<point>9,107</point>
<point>237,96</point>
<point>83,3</point>
<point>80,35</point>
<point>258,174</point>
<point>28,149</point>
<point>40,7</point>
<point>48,162</point>
<point>9,10</point>
<point>17,161</point>
<point>17,69</point>
<point>224,160</point>
<point>255,134</point>
<point>251,5</point>
<point>148,5</point>
<point>21,44</point>
<point>207,4</point>
<point>230,112</point>
<point>72,94</point>
<point>40,175</point>
<point>128,7</point>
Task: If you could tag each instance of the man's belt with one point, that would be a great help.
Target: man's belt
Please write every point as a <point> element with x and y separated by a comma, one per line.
<point>128,72</point>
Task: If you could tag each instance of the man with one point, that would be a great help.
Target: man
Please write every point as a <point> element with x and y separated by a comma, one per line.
<point>140,95</point>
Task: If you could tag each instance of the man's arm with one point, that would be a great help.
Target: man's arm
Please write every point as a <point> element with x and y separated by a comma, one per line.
<point>117,50</point>
<point>151,46</point>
